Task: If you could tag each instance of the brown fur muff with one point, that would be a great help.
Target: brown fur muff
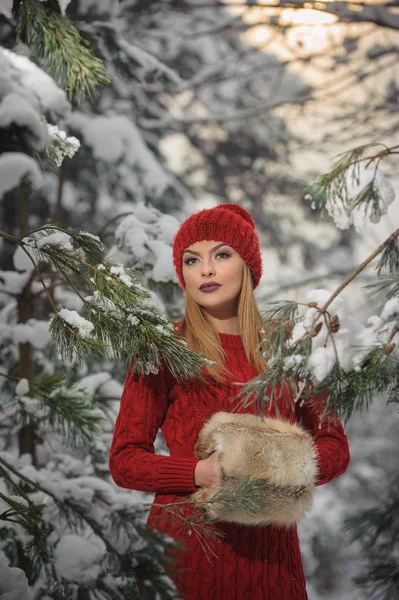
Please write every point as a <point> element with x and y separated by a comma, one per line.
<point>279,455</point>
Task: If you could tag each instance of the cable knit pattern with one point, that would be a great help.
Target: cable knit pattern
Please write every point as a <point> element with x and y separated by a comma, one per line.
<point>251,562</point>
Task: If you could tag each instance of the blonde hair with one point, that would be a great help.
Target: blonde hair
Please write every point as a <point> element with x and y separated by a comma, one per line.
<point>202,335</point>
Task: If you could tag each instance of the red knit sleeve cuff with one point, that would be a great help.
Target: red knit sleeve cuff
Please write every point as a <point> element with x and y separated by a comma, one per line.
<point>177,475</point>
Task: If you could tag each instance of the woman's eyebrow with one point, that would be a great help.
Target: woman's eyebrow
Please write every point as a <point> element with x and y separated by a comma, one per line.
<point>212,250</point>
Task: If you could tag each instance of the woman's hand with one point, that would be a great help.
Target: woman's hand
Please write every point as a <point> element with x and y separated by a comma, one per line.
<point>205,473</point>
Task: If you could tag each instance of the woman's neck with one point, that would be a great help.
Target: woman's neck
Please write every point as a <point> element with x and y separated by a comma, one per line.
<point>229,325</point>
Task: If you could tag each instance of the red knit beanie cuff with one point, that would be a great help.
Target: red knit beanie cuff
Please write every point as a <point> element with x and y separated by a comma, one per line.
<point>229,223</point>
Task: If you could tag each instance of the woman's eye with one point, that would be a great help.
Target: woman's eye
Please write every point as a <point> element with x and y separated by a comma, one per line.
<point>219,254</point>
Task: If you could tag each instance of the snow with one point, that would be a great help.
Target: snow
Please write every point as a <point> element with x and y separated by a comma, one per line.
<point>34,331</point>
<point>71,317</point>
<point>115,138</point>
<point>6,8</point>
<point>15,167</point>
<point>15,109</point>
<point>391,309</point>
<point>67,298</point>
<point>340,205</point>
<point>161,271</point>
<point>59,238</point>
<point>292,362</point>
<point>119,271</point>
<point>133,320</point>
<point>13,282</point>
<point>78,559</point>
<point>352,341</point>
<point>131,233</point>
<point>13,583</point>
<point>21,261</point>
<point>101,384</point>
<point>105,304</point>
<point>38,84</point>
<point>22,387</point>
<point>91,235</point>
<point>62,145</point>
<point>147,234</point>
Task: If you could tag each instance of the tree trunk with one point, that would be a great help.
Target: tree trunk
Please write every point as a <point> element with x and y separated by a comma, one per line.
<point>25,312</point>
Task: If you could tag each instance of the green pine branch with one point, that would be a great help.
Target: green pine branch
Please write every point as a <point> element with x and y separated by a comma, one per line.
<point>377,529</point>
<point>61,146</point>
<point>54,405</point>
<point>381,580</point>
<point>334,185</point>
<point>287,359</point>
<point>388,263</point>
<point>387,287</point>
<point>277,324</point>
<point>60,49</point>
<point>115,319</point>
<point>354,391</point>
<point>126,555</point>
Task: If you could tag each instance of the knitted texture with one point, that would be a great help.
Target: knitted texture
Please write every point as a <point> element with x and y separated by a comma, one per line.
<point>252,562</point>
<point>229,223</point>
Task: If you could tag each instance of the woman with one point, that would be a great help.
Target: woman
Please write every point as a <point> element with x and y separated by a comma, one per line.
<point>217,258</point>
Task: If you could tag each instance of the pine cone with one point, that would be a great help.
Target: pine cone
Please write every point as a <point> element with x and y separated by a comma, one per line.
<point>312,304</point>
<point>334,324</point>
<point>316,329</point>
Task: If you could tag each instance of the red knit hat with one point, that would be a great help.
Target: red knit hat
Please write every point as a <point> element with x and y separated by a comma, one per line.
<point>229,223</point>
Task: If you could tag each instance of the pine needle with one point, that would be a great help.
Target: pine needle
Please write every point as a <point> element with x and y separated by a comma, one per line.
<point>60,48</point>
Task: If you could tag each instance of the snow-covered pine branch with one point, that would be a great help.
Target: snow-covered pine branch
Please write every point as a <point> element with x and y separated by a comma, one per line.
<point>354,192</point>
<point>115,320</point>
<point>107,530</point>
<point>323,345</point>
<point>53,406</point>
<point>26,94</point>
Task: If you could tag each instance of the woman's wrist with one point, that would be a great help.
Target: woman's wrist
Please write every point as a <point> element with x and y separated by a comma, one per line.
<point>198,474</point>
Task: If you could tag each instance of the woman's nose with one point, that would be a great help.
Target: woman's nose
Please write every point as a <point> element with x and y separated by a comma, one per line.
<point>208,269</point>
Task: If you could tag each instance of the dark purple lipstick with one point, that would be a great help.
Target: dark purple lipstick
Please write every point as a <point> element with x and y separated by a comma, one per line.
<point>211,286</point>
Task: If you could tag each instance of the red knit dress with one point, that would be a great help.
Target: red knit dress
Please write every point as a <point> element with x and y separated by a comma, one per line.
<point>253,562</point>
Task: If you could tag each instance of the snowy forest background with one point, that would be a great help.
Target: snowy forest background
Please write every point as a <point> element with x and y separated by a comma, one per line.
<point>199,103</point>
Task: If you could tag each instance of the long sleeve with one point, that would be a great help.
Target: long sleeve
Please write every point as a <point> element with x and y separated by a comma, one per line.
<point>133,463</point>
<point>330,439</point>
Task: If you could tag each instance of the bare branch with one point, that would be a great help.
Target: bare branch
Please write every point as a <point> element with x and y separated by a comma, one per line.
<point>364,12</point>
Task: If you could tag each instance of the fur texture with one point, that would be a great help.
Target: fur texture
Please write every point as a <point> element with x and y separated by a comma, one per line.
<point>279,455</point>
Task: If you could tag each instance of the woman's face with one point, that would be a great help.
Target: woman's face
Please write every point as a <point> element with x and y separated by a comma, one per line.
<point>217,263</point>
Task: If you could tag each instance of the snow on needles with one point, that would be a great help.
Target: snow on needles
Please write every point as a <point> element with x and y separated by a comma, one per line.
<point>115,138</point>
<point>34,331</point>
<point>59,238</point>
<point>26,92</point>
<point>78,559</point>
<point>15,167</point>
<point>352,342</point>
<point>147,235</point>
<point>62,144</point>
<point>342,204</point>
<point>22,387</point>
<point>73,318</point>
<point>40,85</point>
